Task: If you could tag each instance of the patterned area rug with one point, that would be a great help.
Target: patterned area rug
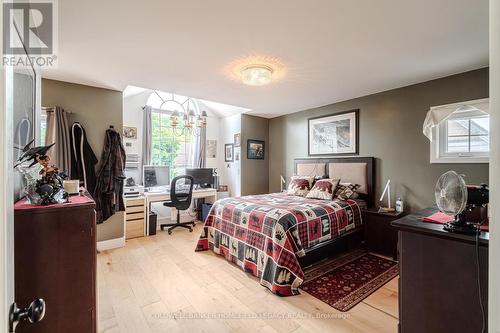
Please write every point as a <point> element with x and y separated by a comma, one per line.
<point>343,282</point>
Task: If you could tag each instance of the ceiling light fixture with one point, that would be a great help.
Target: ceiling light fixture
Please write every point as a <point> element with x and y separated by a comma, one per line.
<point>257,75</point>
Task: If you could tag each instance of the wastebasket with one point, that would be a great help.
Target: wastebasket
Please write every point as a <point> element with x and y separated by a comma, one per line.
<point>205,209</point>
<point>152,223</point>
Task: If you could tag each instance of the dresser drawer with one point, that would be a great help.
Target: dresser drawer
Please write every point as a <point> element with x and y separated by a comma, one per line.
<point>134,229</point>
<point>134,202</point>
<point>134,216</point>
<point>134,209</point>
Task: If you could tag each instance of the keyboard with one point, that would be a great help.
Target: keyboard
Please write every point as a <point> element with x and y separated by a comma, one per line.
<point>158,189</point>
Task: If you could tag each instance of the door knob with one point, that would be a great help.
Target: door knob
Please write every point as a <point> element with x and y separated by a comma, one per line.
<point>33,313</point>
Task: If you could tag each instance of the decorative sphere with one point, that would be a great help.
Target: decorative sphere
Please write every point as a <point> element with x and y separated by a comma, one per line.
<point>46,189</point>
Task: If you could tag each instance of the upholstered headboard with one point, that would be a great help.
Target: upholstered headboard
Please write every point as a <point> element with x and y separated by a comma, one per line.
<point>350,173</point>
<point>311,169</point>
<point>357,170</point>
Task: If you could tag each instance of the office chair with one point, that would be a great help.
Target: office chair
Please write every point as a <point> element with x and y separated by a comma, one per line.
<point>180,199</point>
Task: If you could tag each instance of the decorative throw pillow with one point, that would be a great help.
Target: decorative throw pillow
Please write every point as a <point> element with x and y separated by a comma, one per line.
<point>323,189</point>
<point>300,185</point>
<point>346,191</point>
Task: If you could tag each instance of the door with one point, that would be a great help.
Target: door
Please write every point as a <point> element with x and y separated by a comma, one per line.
<point>18,87</point>
<point>6,202</point>
<point>6,205</point>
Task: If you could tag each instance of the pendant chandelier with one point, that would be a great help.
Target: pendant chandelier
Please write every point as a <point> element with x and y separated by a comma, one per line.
<point>188,120</point>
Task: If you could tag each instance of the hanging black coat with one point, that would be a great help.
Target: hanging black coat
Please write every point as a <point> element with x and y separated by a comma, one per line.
<point>108,193</point>
<point>83,159</point>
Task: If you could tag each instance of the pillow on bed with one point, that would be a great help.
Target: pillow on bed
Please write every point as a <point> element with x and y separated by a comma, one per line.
<point>346,191</point>
<point>323,189</point>
<point>300,185</point>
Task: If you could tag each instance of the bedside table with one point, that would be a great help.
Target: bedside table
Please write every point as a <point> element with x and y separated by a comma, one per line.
<point>380,236</point>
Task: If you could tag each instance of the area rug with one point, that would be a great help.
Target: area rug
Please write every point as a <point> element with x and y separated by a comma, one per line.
<point>345,281</point>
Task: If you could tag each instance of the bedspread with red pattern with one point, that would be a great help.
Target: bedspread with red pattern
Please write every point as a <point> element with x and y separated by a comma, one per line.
<point>265,234</point>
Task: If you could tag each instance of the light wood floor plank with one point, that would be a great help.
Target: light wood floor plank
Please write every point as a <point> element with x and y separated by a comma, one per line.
<point>154,284</point>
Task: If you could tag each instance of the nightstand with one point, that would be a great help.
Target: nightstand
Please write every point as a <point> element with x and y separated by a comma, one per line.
<point>380,236</point>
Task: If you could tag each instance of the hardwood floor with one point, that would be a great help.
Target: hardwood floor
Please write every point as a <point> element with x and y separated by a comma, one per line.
<point>156,283</point>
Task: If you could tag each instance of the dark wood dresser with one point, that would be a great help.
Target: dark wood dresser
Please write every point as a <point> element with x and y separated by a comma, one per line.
<point>438,284</point>
<point>55,259</point>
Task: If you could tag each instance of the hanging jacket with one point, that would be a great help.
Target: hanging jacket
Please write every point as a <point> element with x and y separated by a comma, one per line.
<point>108,194</point>
<point>83,159</point>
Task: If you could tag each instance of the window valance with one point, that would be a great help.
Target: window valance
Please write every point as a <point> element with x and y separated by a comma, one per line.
<point>437,114</point>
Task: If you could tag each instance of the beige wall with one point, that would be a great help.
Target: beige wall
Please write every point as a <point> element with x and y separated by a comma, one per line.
<point>254,173</point>
<point>390,129</point>
<point>96,109</point>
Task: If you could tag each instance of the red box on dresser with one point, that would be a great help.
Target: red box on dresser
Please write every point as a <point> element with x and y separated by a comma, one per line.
<point>55,259</point>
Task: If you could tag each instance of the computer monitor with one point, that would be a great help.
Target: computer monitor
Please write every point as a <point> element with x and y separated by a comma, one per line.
<point>156,176</point>
<point>202,176</point>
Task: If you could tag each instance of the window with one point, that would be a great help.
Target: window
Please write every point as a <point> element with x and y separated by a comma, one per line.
<point>168,148</point>
<point>463,137</point>
<point>43,127</point>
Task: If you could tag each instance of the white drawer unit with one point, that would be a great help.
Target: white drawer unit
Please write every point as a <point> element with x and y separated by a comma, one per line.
<point>135,211</point>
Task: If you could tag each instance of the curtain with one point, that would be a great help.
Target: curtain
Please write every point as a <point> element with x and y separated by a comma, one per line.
<point>437,114</point>
<point>200,150</point>
<point>147,133</point>
<point>58,132</point>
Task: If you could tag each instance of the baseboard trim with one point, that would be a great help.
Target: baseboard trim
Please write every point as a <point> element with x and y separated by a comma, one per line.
<point>111,244</point>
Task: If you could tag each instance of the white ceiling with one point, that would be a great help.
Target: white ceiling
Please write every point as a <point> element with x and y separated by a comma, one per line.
<point>332,50</point>
<point>215,109</point>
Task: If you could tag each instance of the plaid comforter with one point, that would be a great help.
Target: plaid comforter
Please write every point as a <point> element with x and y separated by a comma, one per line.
<point>264,234</point>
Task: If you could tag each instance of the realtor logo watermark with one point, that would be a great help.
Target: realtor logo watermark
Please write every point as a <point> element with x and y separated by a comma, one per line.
<point>30,33</point>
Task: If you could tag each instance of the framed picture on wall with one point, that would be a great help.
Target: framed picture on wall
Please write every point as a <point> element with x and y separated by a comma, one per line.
<point>255,149</point>
<point>237,140</point>
<point>130,132</point>
<point>211,148</point>
<point>335,134</point>
<point>229,152</point>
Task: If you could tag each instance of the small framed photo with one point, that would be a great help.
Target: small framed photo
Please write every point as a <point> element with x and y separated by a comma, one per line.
<point>211,148</point>
<point>237,140</point>
<point>255,149</point>
<point>335,134</point>
<point>130,132</point>
<point>229,152</point>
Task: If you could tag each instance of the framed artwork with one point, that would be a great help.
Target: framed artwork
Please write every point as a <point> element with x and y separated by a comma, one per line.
<point>130,132</point>
<point>229,152</point>
<point>211,148</point>
<point>335,134</point>
<point>255,149</point>
<point>237,139</point>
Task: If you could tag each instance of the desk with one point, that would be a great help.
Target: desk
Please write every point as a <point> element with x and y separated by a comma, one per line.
<point>438,283</point>
<point>152,197</point>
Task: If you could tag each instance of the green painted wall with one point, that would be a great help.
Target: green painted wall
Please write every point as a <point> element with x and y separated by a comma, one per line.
<point>96,109</point>
<point>390,129</point>
<point>254,173</point>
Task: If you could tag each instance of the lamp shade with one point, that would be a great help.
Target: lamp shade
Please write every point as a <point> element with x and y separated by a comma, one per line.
<point>257,75</point>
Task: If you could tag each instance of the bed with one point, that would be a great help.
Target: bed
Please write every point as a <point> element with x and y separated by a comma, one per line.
<point>271,235</point>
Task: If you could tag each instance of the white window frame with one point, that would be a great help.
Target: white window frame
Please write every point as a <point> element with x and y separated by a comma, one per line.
<point>438,152</point>
<point>187,162</point>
